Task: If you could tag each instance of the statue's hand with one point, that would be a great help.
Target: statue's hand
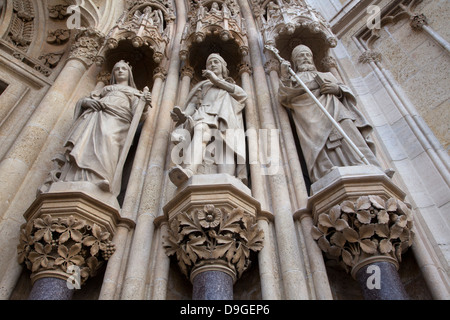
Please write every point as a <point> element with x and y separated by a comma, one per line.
<point>330,88</point>
<point>148,97</point>
<point>208,74</point>
<point>285,65</point>
<point>93,104</point>
<point>178,116</point>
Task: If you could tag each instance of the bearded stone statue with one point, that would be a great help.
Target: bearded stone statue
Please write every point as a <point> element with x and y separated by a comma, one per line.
<point>323,146</point>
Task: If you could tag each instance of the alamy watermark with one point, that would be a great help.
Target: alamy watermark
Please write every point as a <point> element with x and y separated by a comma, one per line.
<point>374,280</point>
<point>374,19</point>
<point>74,280</point>
<point>74,21</point>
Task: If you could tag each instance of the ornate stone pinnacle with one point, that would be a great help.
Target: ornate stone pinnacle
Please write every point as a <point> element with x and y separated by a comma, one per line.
<point>354,233</point>
<point>213,239</point>
<point>49,247</point>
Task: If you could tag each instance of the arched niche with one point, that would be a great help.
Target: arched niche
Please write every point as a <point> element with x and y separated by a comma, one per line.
<point>285,43</point>
<point>229,50</point>
<point>141,60</point>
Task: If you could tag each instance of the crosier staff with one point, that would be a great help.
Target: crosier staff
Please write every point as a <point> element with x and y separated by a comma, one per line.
<point>327,114</point>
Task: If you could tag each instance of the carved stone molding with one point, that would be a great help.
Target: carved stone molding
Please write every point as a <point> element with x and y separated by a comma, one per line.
<point>278,18</point>
<point>329,63</point>
<point>21,29</point>
<point>394,12</point>
<point>355,233</point>
<point>272,65</point>
<point>58,37</point>
<point>217,18</point>
<point>145,23</point>
<point>418,21</point>
<point>58,12</point>
<point>160,72</point>
<point>213,238</point>
<point>87,45</point>
<point>49,247</point>
<point>370,56</point>
<point>245,68</point>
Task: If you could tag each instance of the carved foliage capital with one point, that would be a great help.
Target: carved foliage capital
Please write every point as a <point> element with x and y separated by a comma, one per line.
<point>214,236</point>
<point>87,45</point>
<point>55,244</point>
<point>353,231</point>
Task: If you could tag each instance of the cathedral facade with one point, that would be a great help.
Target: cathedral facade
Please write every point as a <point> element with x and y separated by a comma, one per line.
<point>224,150</point>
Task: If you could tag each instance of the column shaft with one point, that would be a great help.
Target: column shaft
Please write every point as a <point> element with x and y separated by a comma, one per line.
<point>293,278</point>
<point>381,281</point>
<point>135,278</point>
<point>212,285</point>
<point>51,289</point>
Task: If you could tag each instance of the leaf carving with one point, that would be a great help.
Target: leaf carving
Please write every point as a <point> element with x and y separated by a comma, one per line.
<point>363,203</point>
<point>377,202</point>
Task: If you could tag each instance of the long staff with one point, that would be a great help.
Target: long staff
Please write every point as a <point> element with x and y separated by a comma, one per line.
<point>129,140</point>
<point>319,104</point>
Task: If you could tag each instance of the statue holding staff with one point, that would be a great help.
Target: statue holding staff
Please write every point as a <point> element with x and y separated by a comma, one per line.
<point>336,136</point>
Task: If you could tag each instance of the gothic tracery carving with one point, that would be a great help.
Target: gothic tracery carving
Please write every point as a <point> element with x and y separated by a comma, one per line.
<point>144,23</point>
<point>276,18</point>
<point>21,28</point>
<point>219,18</point>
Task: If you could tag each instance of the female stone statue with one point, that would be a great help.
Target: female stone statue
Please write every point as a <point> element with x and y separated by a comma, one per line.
<point>213,113</point>
<point>97,138</point>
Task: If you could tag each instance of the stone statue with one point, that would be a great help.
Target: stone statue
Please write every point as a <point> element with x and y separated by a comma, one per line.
<point>212,117</point>
<point>96,141</point>
<point>323,146</point>
<point>215,9</point>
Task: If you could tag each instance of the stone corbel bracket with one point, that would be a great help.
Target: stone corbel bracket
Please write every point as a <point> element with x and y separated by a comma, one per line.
<point>212,227</point>
<point>66,233</point>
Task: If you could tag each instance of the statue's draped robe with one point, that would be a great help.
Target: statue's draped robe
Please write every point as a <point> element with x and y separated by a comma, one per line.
<point>97,137</point>
<point>221,110</point>
<point>322,145</point>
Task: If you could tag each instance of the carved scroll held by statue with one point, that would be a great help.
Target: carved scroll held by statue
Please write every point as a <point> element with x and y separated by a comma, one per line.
<point>323,146</point>
<point>101,136</point>
<point>211,124</point>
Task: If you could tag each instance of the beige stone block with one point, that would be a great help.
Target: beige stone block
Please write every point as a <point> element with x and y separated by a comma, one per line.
<point>9,237</point>
<point>438,120</point>
<point>28,144</point>
<point>11,171</point>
